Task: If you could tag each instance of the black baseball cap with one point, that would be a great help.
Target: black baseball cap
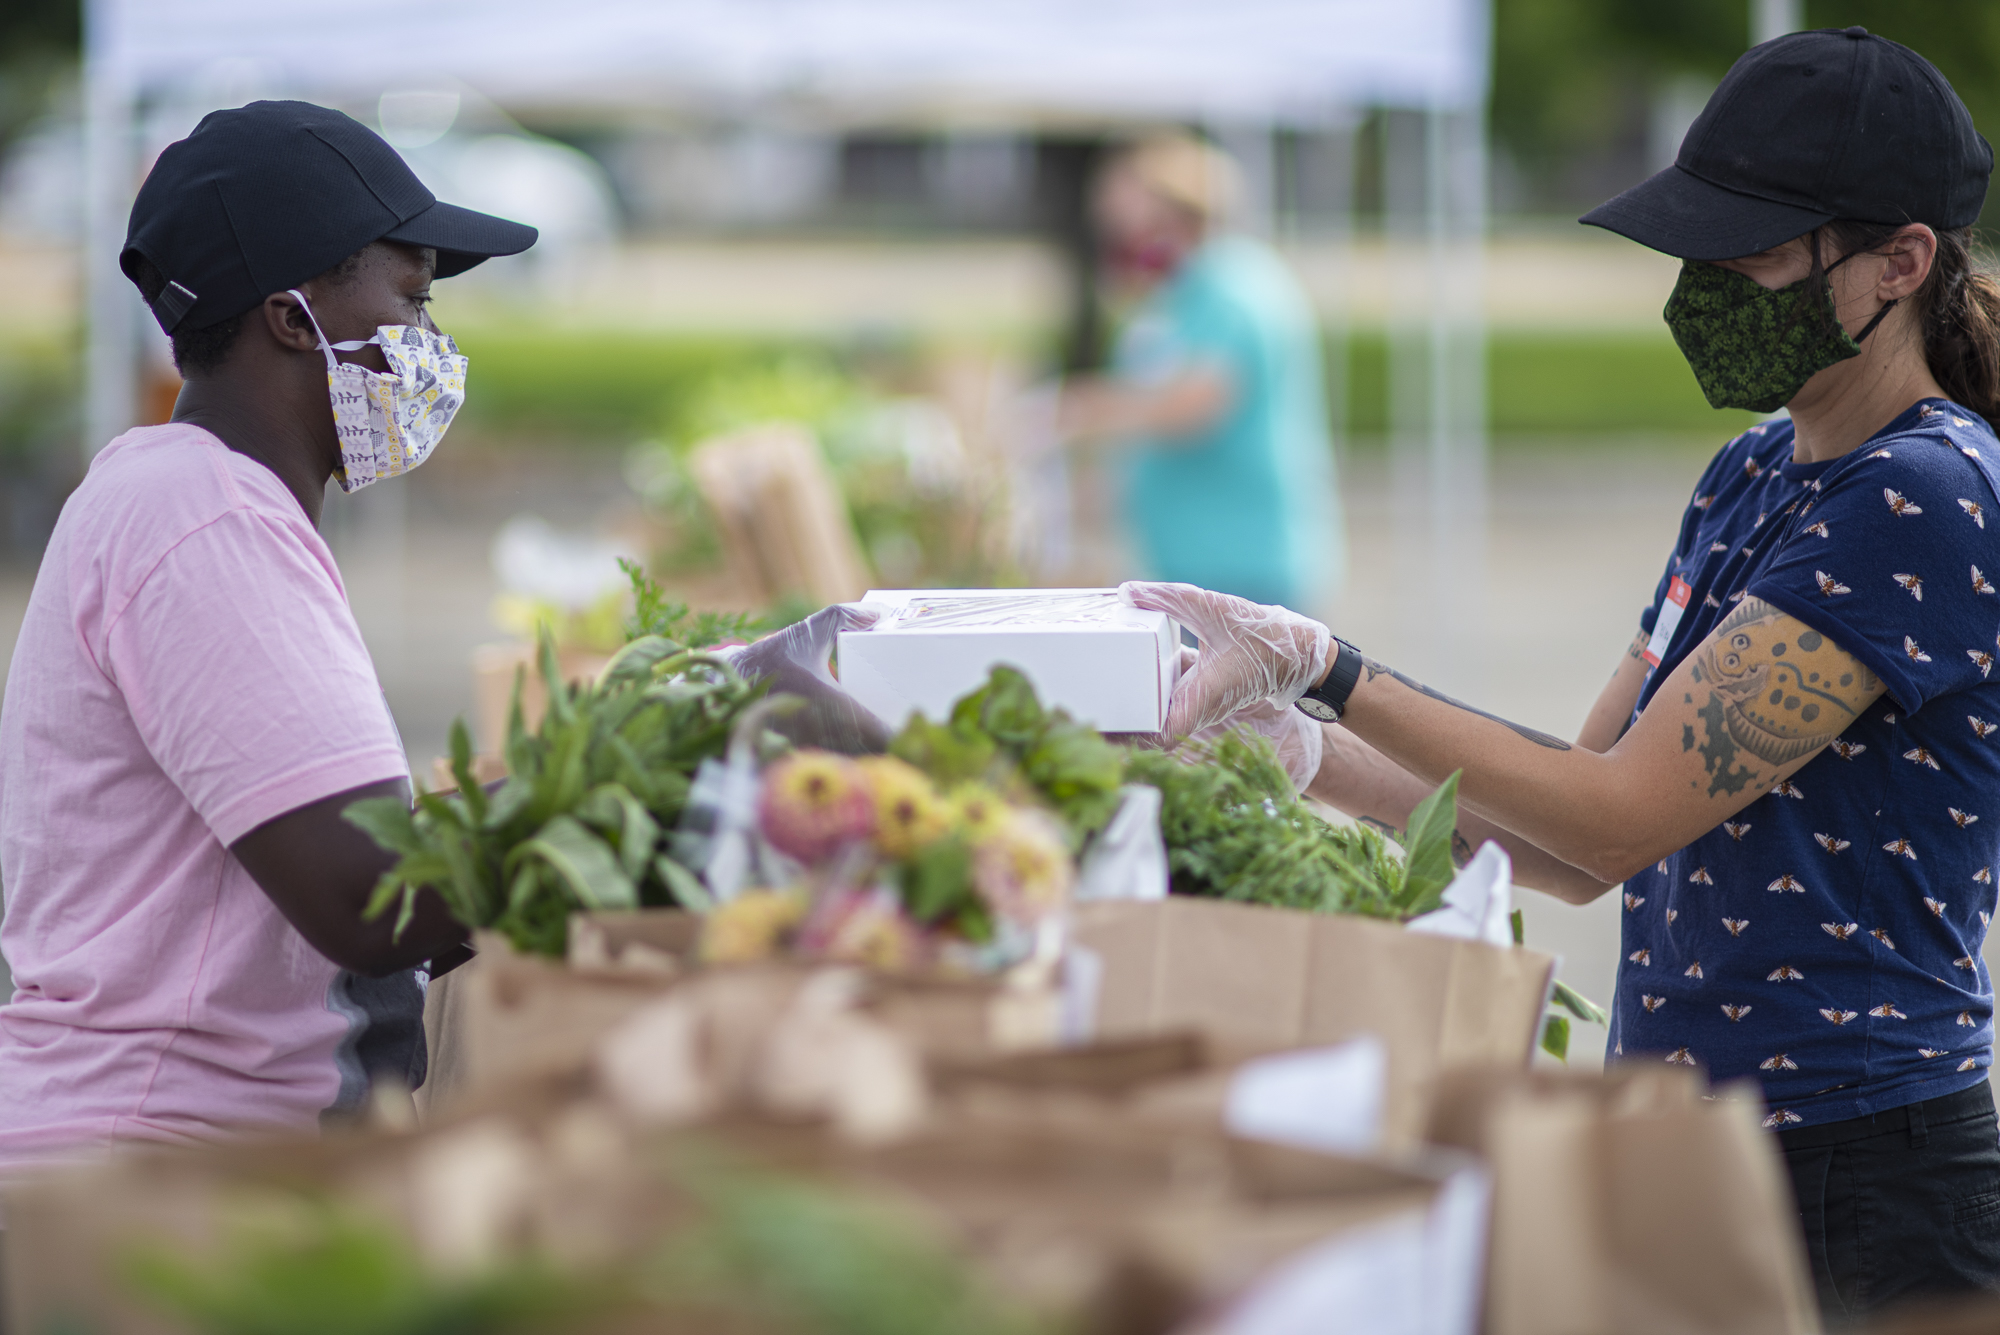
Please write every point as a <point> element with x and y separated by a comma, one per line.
<point>263,197</point>
<point>1807,128</point>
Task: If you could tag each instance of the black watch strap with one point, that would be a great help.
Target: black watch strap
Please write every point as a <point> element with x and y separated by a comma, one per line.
<point>1328,700</point>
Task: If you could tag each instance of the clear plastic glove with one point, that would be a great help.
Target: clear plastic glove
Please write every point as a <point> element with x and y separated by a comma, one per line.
<point>1297,739</point>
<point>1250,653</point>
<point>795,660</point>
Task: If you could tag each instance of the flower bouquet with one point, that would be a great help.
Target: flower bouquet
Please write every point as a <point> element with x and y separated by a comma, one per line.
<point>877,864</point>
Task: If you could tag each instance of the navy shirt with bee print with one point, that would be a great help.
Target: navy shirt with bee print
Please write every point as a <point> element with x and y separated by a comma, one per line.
<point>1826,941</point>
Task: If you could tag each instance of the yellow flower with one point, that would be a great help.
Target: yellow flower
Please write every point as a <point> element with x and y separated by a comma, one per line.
<point>750,926</point>
<point>981,813</point>
<point>909,814</point>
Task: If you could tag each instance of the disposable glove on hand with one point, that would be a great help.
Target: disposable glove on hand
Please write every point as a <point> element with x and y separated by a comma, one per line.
<point>795,661</point>
<point>1249,653</point>
<point>1297,739</point>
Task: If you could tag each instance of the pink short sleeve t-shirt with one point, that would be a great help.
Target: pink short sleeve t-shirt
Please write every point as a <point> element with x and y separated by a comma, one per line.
<point>188,669</point>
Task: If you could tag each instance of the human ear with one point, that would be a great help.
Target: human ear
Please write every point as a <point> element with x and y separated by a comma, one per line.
<point>1907,257</point>
<point>287,323</point>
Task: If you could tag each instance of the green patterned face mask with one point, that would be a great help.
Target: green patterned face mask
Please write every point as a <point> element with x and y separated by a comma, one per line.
<point>1752,346</point>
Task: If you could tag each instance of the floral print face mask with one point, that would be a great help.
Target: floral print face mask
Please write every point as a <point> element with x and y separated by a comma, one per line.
<point>1755,347</point>
<point>388,424</point>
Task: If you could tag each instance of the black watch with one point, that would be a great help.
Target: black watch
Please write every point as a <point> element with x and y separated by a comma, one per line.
<point>1328,700</point>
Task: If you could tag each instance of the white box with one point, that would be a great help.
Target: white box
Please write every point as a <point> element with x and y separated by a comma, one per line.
<point>1109,665</point>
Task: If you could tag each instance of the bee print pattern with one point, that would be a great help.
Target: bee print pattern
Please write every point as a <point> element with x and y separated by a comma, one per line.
<point>1966,962</point>
<point>1834,1016</point>
<point>1936,906</point>
<point>1680,1057</point>
<point>1787,882</point>
<point>1830,586</point>
<point>1700,876</point>
<point>1692,970</point>
<point>1901,848</point>
<point>1933,1052</point>
<point>1787,788</point>
<point>1710,600</point>
<point>1778,1063</point>
<point>1642,957</point>
<point>1969,1064</point>
<point>1840,931</point>
<point>1980,727</point>
<point>1900,505</point>
<point>1736,925</point>
<point>1819,528</point>
<point>1734,1012</point>
<point>1632,901</point>
<point>1973,509</point>
<point>1736,829</point>
<point>1984,661</point>
<point>1980,584</point>
<point>1887,1011</point>
<point>1916,654</point>
<point>1961,818</point>
<point>1912,585</point>
<point>1965,1020</point>
<point>1848,750</point>
<point>1922,756</point>
<point>1882,934</point>
<point>1671,915</point>
<point>1782,1117</point>
<point>1831,844</point>
<point>1651,1003</point>
<point>1983,876</point>
<point>1784,973</point>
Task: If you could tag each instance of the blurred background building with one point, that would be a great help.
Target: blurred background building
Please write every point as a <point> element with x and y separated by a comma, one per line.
<point>892,279</point>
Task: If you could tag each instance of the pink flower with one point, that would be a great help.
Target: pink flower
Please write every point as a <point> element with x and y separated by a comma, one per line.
<point>814,802</point>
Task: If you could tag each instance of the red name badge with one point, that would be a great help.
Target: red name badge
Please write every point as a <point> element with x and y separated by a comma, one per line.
<point>1669,619</point>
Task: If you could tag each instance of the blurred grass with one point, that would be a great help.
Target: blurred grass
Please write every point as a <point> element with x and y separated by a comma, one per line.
<point>615,386</point>
<point>1560,383</point>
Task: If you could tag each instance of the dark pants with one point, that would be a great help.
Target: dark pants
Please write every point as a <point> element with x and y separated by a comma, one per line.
<point>1901,1205</point>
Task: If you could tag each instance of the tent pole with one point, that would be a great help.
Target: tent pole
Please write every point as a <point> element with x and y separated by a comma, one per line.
<point>111,310</point>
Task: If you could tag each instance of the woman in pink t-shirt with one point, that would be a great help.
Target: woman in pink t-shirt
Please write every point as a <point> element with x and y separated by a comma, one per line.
<point>190,706</point>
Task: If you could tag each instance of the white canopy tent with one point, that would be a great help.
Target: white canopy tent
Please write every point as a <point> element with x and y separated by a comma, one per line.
<point>1246,66</point>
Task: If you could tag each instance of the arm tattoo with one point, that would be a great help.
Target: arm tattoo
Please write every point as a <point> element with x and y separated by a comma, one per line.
<point>1374,669</point>
<point>1775,690</point>
<point>1637,649</point>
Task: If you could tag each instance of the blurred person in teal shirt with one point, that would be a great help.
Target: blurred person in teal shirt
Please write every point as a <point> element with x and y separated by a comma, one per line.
<point>1215,395</point>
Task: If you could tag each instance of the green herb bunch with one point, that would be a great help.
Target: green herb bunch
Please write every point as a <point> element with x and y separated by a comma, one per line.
<point>1001,734</point>
<point>579,822</point>
<point>1234,829</point>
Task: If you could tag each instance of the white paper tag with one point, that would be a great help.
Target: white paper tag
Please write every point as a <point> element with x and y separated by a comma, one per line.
<point>1325,1099</point>
<point>1669,620</point>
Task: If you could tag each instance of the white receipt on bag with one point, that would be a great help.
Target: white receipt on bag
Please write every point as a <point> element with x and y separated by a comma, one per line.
<point>1325,1099</point>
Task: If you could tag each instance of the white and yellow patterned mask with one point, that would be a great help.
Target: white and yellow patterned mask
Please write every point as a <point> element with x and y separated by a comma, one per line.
<point>388,424</point>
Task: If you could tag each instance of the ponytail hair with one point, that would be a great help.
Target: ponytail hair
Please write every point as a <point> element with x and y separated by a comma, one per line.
<point>1957,314</point>
<point>1959,305</point>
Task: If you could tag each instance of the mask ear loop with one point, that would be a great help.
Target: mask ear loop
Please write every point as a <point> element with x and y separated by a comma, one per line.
<point>352,345</point>
<point>1880,315</point>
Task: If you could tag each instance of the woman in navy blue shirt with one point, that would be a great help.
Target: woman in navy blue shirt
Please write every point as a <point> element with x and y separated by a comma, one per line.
<point>1795,772</point>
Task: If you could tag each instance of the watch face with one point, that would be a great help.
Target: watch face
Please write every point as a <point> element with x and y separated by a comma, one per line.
<point>1318,709</point>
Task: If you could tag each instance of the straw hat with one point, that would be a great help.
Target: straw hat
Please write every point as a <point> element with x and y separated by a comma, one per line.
<point>1192,174</point>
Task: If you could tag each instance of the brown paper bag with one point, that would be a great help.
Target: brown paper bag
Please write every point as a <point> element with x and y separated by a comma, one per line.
<point>1275,978</point>
<point>1629,1203</point>
<point>519,1017</point>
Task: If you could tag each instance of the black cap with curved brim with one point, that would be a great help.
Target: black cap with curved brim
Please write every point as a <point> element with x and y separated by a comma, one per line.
<point>1811,127</point>
<point>264,197</point>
